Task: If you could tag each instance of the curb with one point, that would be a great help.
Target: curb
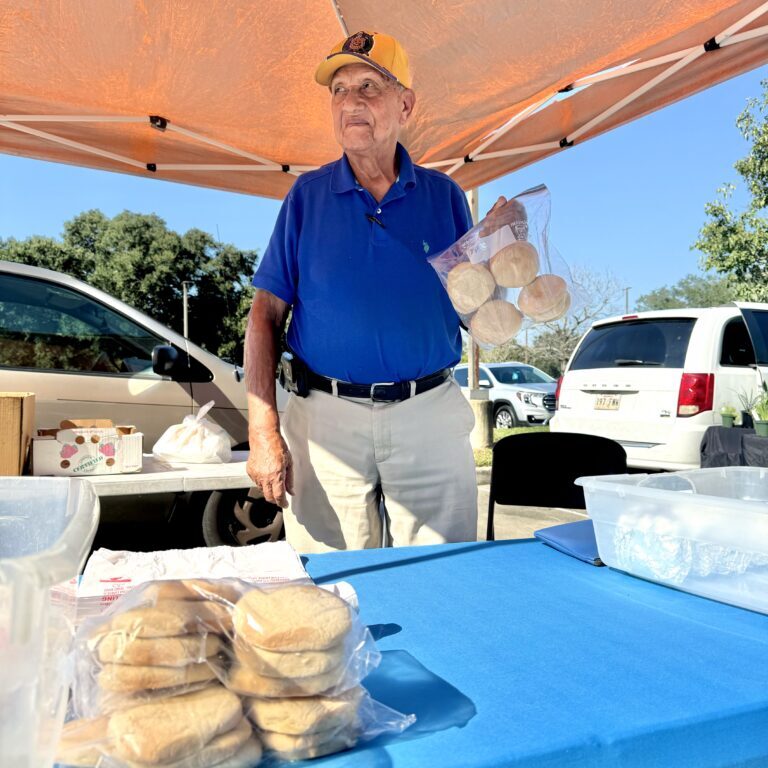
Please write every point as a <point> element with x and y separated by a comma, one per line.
<point>483,475</point>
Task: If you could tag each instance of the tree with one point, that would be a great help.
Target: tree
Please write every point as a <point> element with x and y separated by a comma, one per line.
<point>512,350</point>
<point>736,244</point>
<point>137,259</point>
<point>690,291</point>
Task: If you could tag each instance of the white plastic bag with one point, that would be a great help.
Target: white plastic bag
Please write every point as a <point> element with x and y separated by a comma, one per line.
<point>195,441</point>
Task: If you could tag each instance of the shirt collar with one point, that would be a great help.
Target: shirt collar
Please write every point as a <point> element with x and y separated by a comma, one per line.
<point>343,177</point>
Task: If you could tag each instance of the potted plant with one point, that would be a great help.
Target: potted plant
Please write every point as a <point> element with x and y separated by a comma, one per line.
<point>760,411</point>
<point>728,414</point>
<point>747,401</point>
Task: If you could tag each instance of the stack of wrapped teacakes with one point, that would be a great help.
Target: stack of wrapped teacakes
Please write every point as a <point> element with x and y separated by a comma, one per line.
<point>147,677</point>
<point>295,658</point>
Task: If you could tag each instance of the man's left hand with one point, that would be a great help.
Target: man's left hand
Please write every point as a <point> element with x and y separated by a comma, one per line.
<point>504,212</point>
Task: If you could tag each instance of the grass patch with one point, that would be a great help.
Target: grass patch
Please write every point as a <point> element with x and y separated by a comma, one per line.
<point>484,456</point>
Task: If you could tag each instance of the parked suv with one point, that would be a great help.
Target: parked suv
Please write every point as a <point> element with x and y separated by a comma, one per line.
<point>521,394</point>
<point>654,381</point>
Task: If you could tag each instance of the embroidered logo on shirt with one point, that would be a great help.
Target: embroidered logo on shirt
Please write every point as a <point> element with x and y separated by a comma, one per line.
<point>425,245</point>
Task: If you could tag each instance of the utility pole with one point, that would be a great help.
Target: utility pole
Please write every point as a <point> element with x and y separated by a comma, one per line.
<point>626,299</point>
<point>185,306</point>
<point>473,358</point>
<point>482,434</point>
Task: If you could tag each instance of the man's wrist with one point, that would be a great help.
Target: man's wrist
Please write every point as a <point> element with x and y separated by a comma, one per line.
<point>264,435</point>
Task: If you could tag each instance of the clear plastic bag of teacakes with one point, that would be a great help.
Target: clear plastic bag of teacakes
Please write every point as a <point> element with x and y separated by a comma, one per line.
<point>504,274</point>
<point>170,647</point>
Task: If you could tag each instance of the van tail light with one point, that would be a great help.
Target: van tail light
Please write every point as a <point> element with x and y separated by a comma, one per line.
<point>696,393</point>
<point>557,392</point>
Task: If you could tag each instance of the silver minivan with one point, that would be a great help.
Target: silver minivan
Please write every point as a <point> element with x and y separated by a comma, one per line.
<point>86,354</point>
<point>654,381</point>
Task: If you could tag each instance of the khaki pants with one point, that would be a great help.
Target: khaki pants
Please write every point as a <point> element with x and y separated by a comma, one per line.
<point>348,453</point>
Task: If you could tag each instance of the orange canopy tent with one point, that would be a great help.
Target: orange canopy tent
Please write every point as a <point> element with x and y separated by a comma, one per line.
<point>220,93</point>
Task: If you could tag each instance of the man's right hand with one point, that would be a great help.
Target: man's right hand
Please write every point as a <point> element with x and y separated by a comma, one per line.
<point>270,466</point>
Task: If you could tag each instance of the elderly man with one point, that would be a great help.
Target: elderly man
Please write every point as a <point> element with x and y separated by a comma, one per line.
<point>373,336</point>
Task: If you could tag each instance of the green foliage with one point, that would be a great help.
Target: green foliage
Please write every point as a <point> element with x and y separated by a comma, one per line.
<point>690,291</point>
<point>760,403</point>
<point>512,350</point>
<point>136,258</point>
<point>729,410</point>
<point>736,244</point>
<point>747,400</point>
<point>761,408</point>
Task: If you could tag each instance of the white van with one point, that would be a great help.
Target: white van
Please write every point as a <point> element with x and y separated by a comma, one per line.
<point>86,354</point>
<point>654,381</point>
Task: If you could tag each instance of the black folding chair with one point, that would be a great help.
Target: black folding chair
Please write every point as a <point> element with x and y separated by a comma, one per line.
<point>537,469</point>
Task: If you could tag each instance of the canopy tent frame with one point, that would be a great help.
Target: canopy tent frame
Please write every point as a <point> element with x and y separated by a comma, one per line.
<point>498,88</point>
<point>677,60</point>
<point>681,59</point>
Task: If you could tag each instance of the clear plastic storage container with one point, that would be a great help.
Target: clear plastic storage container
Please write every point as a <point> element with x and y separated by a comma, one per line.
<point>47,526</point>
<point>704,531</point>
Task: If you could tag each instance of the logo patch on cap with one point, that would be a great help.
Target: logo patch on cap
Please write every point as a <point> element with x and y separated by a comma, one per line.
<point>360,42</point>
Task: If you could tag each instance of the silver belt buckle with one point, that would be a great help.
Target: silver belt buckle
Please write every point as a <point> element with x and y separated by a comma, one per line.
<point>373,391</point>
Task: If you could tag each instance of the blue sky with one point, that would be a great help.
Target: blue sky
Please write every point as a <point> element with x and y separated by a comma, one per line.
<point>630,201</point>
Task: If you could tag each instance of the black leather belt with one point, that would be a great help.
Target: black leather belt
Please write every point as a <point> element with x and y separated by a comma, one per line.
<point>390,392</point>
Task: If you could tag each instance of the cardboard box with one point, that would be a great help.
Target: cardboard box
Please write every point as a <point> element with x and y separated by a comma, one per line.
<point>17,416</point>
<point>87,447</point>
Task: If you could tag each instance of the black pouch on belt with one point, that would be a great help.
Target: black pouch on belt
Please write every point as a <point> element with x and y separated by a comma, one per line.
<point>293,375</point>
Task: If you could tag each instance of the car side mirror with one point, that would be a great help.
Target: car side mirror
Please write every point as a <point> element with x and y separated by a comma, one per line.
<point>485,383</point>
<point>165,359</point>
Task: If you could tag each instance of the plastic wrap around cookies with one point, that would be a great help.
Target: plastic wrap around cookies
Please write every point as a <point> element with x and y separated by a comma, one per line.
<point>186,674</point>
<point>504,274</point>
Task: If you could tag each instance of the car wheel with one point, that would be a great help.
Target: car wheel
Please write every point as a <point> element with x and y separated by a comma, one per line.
<point>505,417</point>
<point>241,517</point>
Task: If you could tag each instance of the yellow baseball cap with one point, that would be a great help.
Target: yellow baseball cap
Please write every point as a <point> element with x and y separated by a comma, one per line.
<point>379,51</point>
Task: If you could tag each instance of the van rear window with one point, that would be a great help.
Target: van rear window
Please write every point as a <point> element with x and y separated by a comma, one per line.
<point>657,343</point>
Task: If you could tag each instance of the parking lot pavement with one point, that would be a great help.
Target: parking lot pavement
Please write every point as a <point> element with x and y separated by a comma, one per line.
<point>519,522</point>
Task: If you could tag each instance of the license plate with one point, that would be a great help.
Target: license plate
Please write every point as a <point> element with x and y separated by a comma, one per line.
<point>607,402</point>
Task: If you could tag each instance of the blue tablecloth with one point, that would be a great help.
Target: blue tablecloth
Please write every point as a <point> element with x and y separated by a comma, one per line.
<point>514,654</point>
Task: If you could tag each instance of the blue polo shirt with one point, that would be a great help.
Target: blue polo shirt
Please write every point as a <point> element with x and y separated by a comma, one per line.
<point>367,305</point>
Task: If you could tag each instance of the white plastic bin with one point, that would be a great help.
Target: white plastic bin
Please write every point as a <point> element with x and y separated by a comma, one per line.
<point>704,531</point>
<point>47,526</point>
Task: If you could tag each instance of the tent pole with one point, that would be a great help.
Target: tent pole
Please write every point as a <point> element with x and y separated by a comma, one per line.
<point>500,153</point>
<point>667,73</point>
<point>73,144</point>
<point>730,36</point>
<point>499,132</point>
<point>219,144</point>
<point>72,119</point>
<point>639,66</point>
<point>220,167</point>
<point>340,17</point>
<point>636,94</point>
